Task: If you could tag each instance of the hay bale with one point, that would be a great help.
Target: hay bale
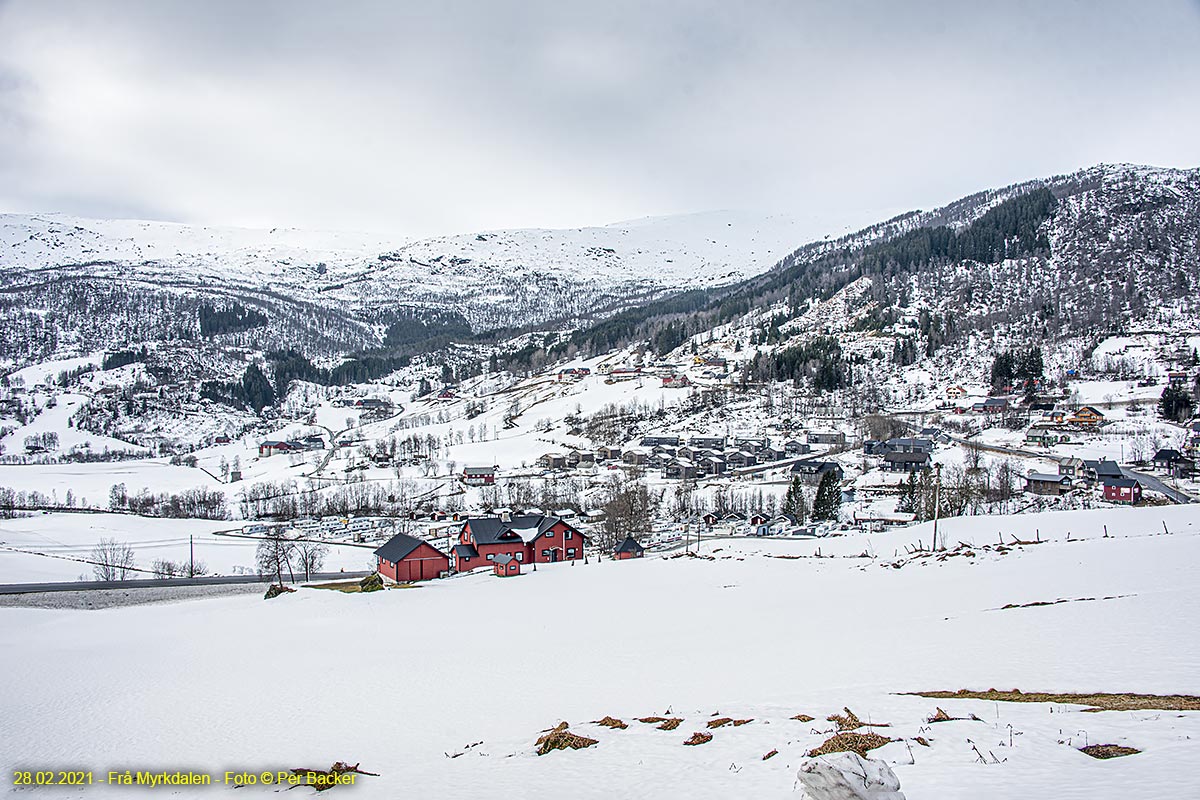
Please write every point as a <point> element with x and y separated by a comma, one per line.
<point>612,722</point>
<point>848,742</point>
<point>699,737</point>
<point>559,738</point>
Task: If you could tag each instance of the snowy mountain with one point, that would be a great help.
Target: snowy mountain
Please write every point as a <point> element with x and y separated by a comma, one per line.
<point>339,291</point>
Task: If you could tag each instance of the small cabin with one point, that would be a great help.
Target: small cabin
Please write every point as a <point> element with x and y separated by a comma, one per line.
<point>504,566</point>
<point>628,549</point>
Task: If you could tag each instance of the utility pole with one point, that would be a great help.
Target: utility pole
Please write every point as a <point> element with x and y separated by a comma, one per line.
<point>192,556</point>
<point>937,500</point>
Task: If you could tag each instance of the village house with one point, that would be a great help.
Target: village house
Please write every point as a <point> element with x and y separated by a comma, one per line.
<point>479,476</point>
<point>711,465</point>
<point>272,446</point>
<point>676,381</point>
<point>446,395</point>
<point>528,539</point>
<point>659,441</point>
<point>992,405</point>
<point>1177,379</point>
<point>909,445</point>
<point>826,437</point>
<point>794,447</point>
<point>1043,438</point>
<point>680,469</point>
<point>1070,466</point>
<point>741,458</point>
<point>1093,471</point>
<point>552,461</point>
<point>1047,484</point>
<point>811,472</point>
<point>710,519</point>
<point>1122,490</point>
<point>1086,417</point>
<point>628,549</point>
<point>573,373</point>
<point>955,392</point>
<point>905,462</point>
<point>636,456</point>
<point>1174,463</point>
<point>713,442</point>
<point>605,453</point>
<point>404,558</point>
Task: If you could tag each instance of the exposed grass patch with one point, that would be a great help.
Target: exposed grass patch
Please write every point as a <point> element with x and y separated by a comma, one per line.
<point>1109,750</point>
<point>612,722</point>
<point>850,742</point>
<point>850,722</point>
<point>804,718</point>
<point>1102,701</point>
<point>559,738</point>
<point>699,737</point>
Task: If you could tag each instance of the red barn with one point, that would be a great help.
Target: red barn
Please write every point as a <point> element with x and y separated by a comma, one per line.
<point>628,549</point>
<point>1122,490</point>
<point>404,558</point>
<point>528,539</point>
<point>504,566</point>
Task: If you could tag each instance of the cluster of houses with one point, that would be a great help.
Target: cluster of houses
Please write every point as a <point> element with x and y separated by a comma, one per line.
<point>503,543</point>
<point>270,447</point>
<point>1078,473</point>
<point>905,454</point>
<point>708,456</point>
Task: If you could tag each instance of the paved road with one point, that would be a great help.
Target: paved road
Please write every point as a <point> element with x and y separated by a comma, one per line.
<point>218,580</point>
<point>1151,482</point>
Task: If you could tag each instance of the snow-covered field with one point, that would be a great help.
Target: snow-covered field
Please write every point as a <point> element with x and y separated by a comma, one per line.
<point>45,547</point>
<point>403,679</point>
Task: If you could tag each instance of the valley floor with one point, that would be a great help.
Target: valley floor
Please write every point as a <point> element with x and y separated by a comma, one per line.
<point>402,680</point>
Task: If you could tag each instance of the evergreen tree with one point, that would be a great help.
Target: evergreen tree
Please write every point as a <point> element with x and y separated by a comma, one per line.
<point>794,502</point>
<point>256,389</point>
<point>1175,404</point>
<point>828,501</point>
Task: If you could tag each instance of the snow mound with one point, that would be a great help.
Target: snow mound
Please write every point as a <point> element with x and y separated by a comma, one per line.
<point>848,776</point>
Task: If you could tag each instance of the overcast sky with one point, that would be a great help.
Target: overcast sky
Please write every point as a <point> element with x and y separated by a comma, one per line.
<point>422,118</point>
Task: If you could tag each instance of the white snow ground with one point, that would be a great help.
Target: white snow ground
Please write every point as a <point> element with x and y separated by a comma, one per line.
<point>399,680</point>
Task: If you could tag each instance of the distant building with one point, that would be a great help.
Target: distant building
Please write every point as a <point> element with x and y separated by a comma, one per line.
<point>811,472</point>
<point>479,476</point>
<point>905,462</point>
<point>1047,484</point>
<point>628,549</point>
<point>1086,417</point>
<point>826,437</point>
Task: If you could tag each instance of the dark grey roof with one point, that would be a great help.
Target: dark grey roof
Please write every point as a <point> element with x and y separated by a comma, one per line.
<point>814,467</point>
<point>1043,477</point>
<point>1121,483</point>
<point>491,530</point>
<point>630,545</point>
<point>1167,454</point>
<point>399,547</point>
<point>465,551</point>
<point>1105,468</point>
<point>919,458</point>
<point>502,559</point>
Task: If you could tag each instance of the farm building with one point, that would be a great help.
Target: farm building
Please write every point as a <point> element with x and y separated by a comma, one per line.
<point>404,558</point>
<point>1044,483</point>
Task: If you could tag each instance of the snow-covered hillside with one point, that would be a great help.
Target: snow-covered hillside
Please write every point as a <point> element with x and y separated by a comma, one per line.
<point>443,690</point>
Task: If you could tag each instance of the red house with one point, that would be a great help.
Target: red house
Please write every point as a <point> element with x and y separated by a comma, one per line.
<point>1122,490</point>
<point>504,566</point>
<point>527,539</point>
<point>628,549</point>
<point>404,558</point>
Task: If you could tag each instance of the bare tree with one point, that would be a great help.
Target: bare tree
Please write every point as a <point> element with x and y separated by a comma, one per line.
<point>273,554</point>
<point>112,560</point>
<point>310,556</point>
